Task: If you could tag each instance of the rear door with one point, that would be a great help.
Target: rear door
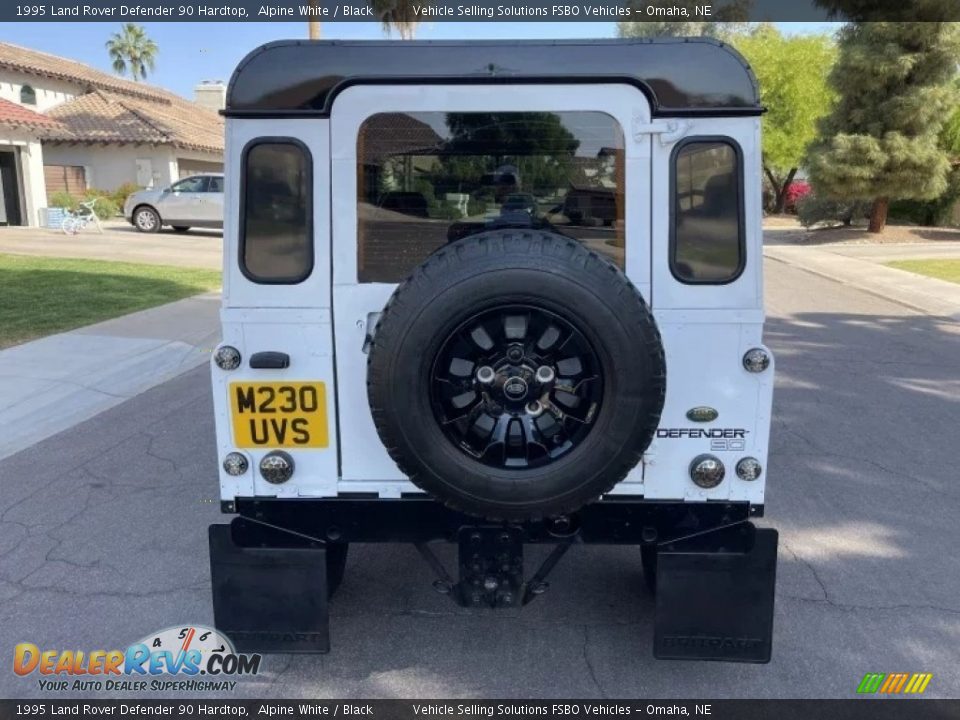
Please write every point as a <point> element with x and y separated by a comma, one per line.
<point>277,300</point>
<point>459,156</point>
<point>708,300</point>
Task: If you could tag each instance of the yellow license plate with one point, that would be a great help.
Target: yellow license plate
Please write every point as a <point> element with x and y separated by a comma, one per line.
<point>279,414</point>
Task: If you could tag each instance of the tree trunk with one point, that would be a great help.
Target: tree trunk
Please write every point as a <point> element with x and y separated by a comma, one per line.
<point>779,189</point>
<point>313,26</point>
<point>780,206</point>
<point>878,215</point>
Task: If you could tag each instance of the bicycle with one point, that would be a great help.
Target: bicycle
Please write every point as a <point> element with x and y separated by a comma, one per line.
<point>77,220</point>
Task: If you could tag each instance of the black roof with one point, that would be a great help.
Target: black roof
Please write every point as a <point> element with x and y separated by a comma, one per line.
<point>680,76</point>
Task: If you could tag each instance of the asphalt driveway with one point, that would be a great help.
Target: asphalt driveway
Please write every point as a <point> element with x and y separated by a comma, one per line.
<point>103,540</point>
<point>121,242</point>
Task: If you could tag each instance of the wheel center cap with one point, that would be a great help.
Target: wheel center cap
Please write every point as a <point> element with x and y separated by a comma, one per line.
<point>515,388</point>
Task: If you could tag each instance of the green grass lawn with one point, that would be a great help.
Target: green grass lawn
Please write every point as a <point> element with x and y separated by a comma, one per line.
<point>940,269</point>
<point>40,296</point>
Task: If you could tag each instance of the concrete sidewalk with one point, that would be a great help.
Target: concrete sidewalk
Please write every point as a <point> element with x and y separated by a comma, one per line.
<point>861,266</point>
<point>51,384</point>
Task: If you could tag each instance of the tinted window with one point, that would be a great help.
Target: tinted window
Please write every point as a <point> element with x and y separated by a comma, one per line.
<point>275,236</point>
<point>707,233</point>
<point>191,184</point>
<point>427,179</point>
<point>216,184</point>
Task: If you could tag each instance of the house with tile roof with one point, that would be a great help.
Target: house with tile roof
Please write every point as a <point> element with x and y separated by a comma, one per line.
<point>65,126</point>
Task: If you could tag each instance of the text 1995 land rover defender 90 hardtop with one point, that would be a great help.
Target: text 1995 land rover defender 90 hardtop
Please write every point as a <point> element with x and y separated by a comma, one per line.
<point>494,294</point>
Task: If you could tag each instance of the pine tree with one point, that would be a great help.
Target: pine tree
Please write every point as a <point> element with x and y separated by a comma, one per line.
<point>895,87</point>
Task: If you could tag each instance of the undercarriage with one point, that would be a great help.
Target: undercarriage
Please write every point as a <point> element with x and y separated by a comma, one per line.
<point>277,565</point>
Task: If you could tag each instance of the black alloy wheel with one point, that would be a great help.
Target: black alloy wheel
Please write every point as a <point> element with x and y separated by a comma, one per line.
<point>516,386</point>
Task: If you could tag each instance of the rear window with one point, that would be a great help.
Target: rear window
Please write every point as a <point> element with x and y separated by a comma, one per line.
<point>426,179</point>
<point>275,230</point>
<point>707,238</point>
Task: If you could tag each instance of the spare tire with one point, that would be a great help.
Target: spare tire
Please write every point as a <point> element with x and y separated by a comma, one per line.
<point>516,375</point>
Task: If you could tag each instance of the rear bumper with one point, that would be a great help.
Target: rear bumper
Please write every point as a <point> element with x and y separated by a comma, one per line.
<point>615,520</point>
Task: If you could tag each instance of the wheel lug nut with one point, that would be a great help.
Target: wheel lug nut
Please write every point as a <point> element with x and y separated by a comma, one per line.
<point>534,408</point>
<point>486,375</point>
<point>545,374</point>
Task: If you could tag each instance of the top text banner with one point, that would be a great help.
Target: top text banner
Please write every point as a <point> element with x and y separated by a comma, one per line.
<point>421,10</point>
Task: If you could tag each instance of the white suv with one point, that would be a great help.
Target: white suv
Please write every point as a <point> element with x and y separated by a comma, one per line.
<point>570,352</point>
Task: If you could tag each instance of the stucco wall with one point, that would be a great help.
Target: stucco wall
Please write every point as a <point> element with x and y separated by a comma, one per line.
<point>33,187</point>
<point>49,92</point>
<point>110,166</point>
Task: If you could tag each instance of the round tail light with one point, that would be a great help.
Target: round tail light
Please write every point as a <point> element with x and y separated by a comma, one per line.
<point>707,471</point>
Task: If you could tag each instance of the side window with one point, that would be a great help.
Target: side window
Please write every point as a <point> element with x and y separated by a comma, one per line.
<point>215,185</point>
<point>28,96</point>
<point>276,244</point>
<point>190,185</point>
<point>707,243</point>
<point>425,179</point>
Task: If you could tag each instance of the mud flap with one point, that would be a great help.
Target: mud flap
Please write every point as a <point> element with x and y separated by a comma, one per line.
<point>715,595</point>
<point>269,589</point>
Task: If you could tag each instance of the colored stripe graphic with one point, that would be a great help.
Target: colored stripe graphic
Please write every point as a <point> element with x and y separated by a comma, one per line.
<point>918,683</point>
<point>871,682</point>
<point>895,683</point>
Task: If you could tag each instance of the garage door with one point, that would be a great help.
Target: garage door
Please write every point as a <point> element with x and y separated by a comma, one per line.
<point>195,167</point>
<point>65,178</point>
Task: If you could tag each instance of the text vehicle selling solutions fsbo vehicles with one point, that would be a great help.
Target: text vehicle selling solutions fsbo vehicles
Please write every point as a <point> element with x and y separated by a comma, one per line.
<point>494,294</point>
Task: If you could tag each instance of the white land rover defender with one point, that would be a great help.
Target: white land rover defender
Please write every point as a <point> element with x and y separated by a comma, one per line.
<point>494,293</point>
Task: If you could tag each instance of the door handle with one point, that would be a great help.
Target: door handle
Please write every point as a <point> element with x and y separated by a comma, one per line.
<point>269,360</point>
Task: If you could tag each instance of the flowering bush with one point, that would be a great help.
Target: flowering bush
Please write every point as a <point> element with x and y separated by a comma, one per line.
<point>797,191</point>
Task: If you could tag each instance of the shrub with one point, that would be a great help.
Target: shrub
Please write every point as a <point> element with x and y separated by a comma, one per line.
<point>106,207</point>
<point>812,210</point>
<point>796,191</point>
<point>62,199</point>
<point>934,212</point>
<point>120,195</point>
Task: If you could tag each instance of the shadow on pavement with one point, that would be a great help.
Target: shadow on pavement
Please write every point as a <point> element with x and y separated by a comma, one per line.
<point>103,540</point>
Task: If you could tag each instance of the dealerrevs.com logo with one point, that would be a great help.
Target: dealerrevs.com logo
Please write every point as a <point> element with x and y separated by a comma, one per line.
<point>186,658</point>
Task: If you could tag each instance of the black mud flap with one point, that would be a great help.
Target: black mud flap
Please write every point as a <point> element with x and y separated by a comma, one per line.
<point>715,596</point>
<point>270,599</point>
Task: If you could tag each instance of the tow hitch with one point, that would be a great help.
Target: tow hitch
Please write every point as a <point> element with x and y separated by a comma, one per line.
<point>491,568</point>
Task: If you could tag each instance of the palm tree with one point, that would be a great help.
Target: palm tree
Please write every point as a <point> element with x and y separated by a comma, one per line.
<point>394,15</point>
<point>131,50</point>
<point>397,15</point>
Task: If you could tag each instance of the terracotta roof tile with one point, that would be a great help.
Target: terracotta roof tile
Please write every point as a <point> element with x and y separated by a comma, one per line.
<point>35,62</point>
<point>18,116</point>
<point>117,110</point>
<point>104,117</point>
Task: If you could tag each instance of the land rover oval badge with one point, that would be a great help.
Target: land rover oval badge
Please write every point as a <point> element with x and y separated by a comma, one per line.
<point>702,414</point>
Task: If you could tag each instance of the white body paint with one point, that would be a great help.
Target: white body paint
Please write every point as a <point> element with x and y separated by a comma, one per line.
<point>323,321</point>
